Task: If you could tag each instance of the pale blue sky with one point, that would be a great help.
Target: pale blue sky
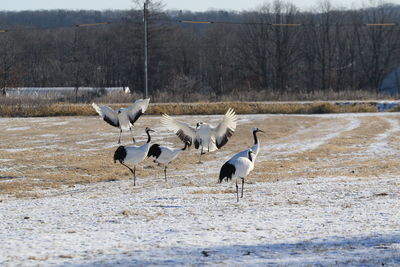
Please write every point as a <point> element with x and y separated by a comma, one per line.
<point>193,5</point>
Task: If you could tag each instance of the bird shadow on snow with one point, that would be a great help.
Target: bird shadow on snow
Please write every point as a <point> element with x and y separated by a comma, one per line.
<point>361,250</point>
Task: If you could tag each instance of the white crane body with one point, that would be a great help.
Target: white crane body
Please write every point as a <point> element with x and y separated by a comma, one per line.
<point>204,136</point>
<point>133,154</point>
<point>164,155</point>
<point>123,118</point>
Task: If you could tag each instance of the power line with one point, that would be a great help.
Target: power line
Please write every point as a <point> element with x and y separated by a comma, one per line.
<point>84,25</point>
<point>277,24</point>
<point>93,24</point>
<point>99,24</point>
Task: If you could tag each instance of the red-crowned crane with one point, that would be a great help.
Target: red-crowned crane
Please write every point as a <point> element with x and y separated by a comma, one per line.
<point>237,167</point>
<point>123,118</point>
<point>164,155</point>
<point>204,135</point>
<point>133,154</point>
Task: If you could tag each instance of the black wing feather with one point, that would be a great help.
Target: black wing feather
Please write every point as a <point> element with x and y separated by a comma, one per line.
<point>227,171</point>
<point>110,121</point>
<point>135,117</point>
<point>196,144</point>
<point>184,137</point>
<point>154,151</point>
<point>225,138</point>
<point>120,154</point>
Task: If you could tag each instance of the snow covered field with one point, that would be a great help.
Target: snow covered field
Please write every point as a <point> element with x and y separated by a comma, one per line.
<point>325,191</point>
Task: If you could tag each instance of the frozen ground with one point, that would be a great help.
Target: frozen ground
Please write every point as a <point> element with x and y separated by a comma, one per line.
<point>301,221</point>
<point>346,213</point>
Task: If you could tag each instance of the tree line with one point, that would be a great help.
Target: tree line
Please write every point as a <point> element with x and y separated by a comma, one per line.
<point>276,49</point>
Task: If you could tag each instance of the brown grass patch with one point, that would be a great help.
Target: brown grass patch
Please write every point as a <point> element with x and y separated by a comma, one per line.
<point>35,258</point>
<point>145,215</point>
<point>63,160</point>
<point>206,108</point>
<point>394,109</point>
<point>128,213</point>
<point>298,202</point>
<point>340,156</point>
<point>66,256</point>
<point>214,191</point>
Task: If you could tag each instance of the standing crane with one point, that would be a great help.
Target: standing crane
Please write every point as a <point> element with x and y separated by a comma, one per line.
<point>237,167</point>
<point>133,154</point>
<point>164,155</point>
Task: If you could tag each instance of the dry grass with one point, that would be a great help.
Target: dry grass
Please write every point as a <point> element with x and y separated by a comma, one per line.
<point>341,156</point>
<point>214,191</point>
<point>146,215</point>
<point>46,110</point>
<point>63,151</point>
<point>247,95</point>
<point>320,102</point>
<point>62,109</point>
<point>302,95</point>
<point>395,109</point>
<point>257,108</point>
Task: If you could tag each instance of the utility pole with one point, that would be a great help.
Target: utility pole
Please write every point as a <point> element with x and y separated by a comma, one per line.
<point>146,80</point>
<point>76,64</point>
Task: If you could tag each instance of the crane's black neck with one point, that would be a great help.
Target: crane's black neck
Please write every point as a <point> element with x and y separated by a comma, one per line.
<point>148,137</point>
<point>250,156</point>
<point>255,137</point>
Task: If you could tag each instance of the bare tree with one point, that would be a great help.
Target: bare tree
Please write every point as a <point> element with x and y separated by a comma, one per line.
<point>284,44</point>
<point>253,48</point>
<point>259,51</point>
<point>377,44</point>
<point>10,69</point>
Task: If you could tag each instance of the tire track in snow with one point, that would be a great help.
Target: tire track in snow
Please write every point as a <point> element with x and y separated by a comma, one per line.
<point>381,145</point>
<point>310,138</point>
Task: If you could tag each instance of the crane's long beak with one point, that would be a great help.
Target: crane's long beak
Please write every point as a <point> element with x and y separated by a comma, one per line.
<point>262,132</point>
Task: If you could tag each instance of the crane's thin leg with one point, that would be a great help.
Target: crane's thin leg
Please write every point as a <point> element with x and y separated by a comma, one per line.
<point>133,138</point>
<point>165,173</point>
<point>242,187</point>
<point>134,176</point>
<point>132,171</point>
<point>119,139</point>
<point>237,191</point>
<point>201,153</point>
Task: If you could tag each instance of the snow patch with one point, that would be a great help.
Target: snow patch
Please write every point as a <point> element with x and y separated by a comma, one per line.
<point>381,145</point>
<point>302,221</point>
<point>18,129</point>
<point>14,150</point>
<point>307,139</point>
